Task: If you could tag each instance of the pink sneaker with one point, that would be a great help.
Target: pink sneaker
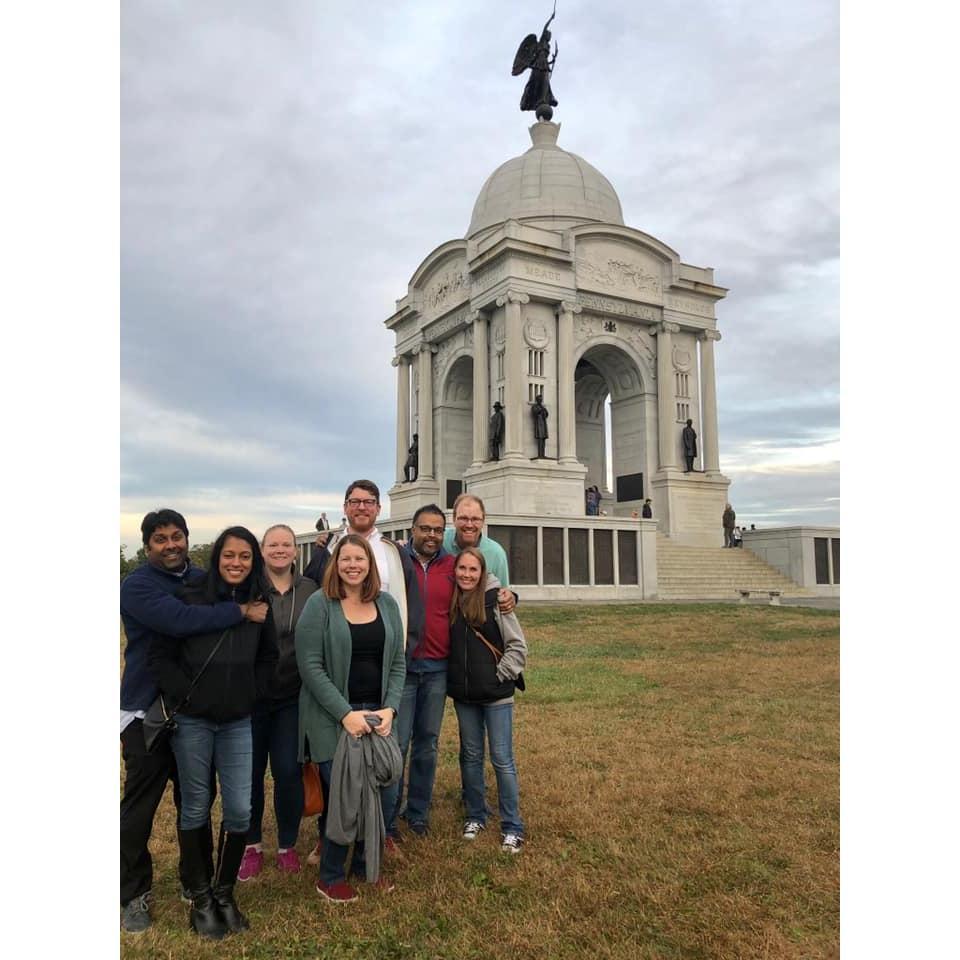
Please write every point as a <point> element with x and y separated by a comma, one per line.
<point>251,864</point>
<point>288,861</point>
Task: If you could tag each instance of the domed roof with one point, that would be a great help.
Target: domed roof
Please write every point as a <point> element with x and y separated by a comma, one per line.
<point>546,181</point>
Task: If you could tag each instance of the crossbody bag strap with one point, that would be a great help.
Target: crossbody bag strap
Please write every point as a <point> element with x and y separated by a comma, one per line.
<point>496,653</point>
<point>193,683</point>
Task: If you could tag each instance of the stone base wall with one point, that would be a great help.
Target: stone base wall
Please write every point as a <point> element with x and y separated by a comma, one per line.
<point>690,506</point>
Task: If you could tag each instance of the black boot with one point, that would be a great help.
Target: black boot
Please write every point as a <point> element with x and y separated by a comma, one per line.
<point>206,848</point>
<point>229,854</point>
<point>205,918</point>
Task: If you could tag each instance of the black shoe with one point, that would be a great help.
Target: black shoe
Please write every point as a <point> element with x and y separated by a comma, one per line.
<point>229,910</point>
<point>205,917</point>
<point>418,827</point>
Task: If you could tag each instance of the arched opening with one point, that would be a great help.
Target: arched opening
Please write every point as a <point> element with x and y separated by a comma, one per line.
<point>614,419</point>
<point>454,437</point>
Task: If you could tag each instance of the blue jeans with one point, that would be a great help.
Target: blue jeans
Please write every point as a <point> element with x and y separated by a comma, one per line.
<point>334,857</point>
<point>419,720</point>
<point>497,721</point>
<point>201,746</point>
<point>274,728</point>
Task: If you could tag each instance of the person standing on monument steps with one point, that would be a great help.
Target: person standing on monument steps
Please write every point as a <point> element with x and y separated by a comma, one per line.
<point>149,607</point>
<point>689,438</point>
<point>729,522</point>
<point>647,512</point>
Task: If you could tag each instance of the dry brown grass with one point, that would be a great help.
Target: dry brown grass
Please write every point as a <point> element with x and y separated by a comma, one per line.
<point>679,780</point>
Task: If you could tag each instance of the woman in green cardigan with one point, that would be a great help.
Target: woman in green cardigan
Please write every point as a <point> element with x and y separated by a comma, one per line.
<point>350,653</point>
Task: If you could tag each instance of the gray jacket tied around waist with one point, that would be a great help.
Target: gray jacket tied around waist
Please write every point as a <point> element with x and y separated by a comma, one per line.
<point>360,768</point>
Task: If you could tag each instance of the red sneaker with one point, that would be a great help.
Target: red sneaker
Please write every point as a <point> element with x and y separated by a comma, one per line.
<point>340,892</point>
<point>250,865</point>
<point>288,861</point>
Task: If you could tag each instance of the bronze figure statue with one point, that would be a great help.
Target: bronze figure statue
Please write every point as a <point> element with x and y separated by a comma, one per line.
<point>496,431</point>
<point>535,54</point>
<point>539,413</point>
<point>412,466</point>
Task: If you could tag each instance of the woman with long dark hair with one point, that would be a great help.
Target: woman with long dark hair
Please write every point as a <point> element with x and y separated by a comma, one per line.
<point>274,720</point>
<point>350,650</point>
<point>212,681</point>
<point>487,656</point>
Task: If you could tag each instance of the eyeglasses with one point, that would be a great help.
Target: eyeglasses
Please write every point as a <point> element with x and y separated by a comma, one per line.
<point>361,503</point>
<point>468,519</point>
<point>427,530</point>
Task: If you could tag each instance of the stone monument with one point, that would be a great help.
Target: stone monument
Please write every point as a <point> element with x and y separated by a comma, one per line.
<point>551,295</point>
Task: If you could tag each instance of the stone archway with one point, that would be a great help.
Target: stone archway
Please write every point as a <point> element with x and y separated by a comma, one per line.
<point>454,433</point>
<point>606,371</point>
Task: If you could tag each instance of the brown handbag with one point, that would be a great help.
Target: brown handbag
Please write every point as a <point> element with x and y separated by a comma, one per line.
<point>312,791</point>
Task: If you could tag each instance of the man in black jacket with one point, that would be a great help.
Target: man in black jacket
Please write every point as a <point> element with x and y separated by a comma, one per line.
<point>148,606</point>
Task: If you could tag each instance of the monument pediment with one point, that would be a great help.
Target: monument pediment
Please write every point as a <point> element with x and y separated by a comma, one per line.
<point>619,268</point>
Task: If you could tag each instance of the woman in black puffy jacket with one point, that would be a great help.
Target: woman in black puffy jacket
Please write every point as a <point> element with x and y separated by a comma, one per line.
<point>235,669</point>
<point>487,656</point>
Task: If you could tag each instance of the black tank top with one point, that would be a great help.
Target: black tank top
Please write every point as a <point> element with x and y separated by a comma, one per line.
<point>366,661</point>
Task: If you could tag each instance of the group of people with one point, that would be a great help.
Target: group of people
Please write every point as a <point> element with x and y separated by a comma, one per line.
<point>347,666</point>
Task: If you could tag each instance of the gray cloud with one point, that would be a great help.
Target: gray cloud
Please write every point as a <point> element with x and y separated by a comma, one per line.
<point>285,168</point>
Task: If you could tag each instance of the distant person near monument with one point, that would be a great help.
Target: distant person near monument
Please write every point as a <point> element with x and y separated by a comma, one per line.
<point>729,522</point>
<point>689,438</point>
<point>593,498</point>
<point>469,516</point>
<point>496,431</point>
<point>647,512</point>
<point>539,413</point>
<point>535,54</point>
<point>413,459</point>
<point>323,523</point>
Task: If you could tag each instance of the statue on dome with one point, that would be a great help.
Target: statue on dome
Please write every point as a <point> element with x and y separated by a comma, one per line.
<point>535,54</point>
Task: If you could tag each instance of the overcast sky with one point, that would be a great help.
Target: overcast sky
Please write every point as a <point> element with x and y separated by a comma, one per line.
<point>287,166</point>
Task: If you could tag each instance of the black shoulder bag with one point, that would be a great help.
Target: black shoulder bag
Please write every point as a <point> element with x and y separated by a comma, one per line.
<point>158,724</point>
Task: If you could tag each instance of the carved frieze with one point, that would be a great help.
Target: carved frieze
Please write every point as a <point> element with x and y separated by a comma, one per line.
<point>435,331</point>
<point>619,274</point>
<point>487,277</point>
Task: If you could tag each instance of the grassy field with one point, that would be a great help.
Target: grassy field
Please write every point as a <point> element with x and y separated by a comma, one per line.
<point>679,779</point>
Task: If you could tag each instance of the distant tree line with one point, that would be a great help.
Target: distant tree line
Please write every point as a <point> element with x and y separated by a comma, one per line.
<point>199,556</point>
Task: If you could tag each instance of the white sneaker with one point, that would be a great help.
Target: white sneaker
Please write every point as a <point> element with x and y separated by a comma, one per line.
<point>471,828</point>
<point>511,842</point>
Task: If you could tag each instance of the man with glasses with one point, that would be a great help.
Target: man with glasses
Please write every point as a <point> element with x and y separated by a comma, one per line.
<point>469,517</point>
<point>361,505</point>
<point>425,689</point>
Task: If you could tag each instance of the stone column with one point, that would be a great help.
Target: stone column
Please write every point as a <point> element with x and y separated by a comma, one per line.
<point>709,441</point>
<point>402,364</point>
<point>566,389</point>
<point>481,387</point>
<point>426,352</point>
<point>665,411</point>
<point>515,392</point>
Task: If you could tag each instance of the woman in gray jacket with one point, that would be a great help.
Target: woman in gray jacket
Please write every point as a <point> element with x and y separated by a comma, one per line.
<point>350,651</point>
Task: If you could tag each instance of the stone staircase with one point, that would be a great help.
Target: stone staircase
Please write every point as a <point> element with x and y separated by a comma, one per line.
<point>716,573</point>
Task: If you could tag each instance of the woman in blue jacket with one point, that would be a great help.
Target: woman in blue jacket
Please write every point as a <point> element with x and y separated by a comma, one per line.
<point>350,651</point>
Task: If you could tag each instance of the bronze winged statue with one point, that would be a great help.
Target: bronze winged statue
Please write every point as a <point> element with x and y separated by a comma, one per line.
<point>535,54</point>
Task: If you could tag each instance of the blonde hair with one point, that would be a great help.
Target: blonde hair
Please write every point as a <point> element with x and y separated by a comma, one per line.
<point>333,587</point>
<point>471,604</point>
<point>469,496</point>
<point>278,526</point>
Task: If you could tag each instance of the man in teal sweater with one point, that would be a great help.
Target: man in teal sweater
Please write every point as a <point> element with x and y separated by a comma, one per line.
<point>469,516</point>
